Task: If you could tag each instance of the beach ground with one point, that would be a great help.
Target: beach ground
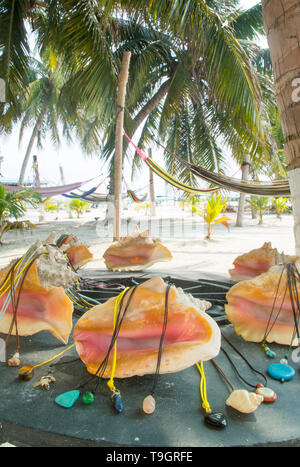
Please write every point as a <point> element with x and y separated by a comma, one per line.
<point>181,232</point>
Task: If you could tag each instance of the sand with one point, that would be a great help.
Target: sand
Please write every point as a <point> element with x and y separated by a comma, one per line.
<point>181,232</point>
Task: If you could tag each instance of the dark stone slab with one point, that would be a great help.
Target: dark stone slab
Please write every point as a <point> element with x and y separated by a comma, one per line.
<point>30,415</point>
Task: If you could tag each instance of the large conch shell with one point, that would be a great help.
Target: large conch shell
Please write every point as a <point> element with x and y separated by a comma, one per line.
<point>78,253</point>
<point>244,401</point>
<point>258,261</point>
<point>250,305</point>
<point>43,304</point>
<point>135,252</point>
<point>191,334</point>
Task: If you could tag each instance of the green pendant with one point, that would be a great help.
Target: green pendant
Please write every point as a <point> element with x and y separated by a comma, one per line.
<point>67,399</point>
<point>88,398</point>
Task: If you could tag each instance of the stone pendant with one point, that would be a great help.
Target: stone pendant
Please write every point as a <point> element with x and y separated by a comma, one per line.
<point>281,371</point>
<point>268,394</point>
<point>67,399</point>
<point>215,419</point>
<point>117,402</point>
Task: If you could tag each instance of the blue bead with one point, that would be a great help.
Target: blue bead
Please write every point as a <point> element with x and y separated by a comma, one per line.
<point>281,371</point>
<point>117,402</point>
<point>67,399</point>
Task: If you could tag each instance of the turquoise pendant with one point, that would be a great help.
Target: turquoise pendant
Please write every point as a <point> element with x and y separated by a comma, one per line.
<point>67,399</point>
<point>269,353</point>
<point>281,371</point>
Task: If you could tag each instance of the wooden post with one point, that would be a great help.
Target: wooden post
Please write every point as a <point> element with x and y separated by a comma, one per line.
<point>36,172</point>
<point>151,188</point>
<point>62,176</point>
<point>241,207</point>
<point>118,163</point>
<point>38,184</point>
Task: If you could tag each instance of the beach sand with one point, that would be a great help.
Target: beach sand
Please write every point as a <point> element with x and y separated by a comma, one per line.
<point>192,254</point>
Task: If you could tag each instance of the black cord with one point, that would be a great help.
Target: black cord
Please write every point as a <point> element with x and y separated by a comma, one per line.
<point>102,367</point>
<point>247,362</point>
<point>161,339</point>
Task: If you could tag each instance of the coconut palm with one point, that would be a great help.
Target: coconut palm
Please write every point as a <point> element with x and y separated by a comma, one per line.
<point>191,73</point>
<point>282,21</point>
<point>42,109</point>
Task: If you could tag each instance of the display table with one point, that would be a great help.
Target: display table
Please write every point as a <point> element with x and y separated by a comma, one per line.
<point>29,415</point>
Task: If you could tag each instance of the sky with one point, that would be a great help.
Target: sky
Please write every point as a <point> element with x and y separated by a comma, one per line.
<point>75,165</point>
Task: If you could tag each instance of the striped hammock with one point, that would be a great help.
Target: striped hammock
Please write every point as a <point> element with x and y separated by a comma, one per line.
<point>273,188</point>
<point>134,198</point>
<point>169,178</point>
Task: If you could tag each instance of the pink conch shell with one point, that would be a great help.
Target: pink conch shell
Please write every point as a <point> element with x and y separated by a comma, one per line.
<point>191,334</point>
<point>43,303</point>
<point>244,401</point>
<point>250,303</point>
<point>258,261</point>
<point>135,252</point>
<point>78,253</point>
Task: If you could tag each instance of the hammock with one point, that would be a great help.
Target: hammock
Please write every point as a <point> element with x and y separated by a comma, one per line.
<point>134,198</point>
<point>96,198</point>
<point>47,191</point>
<point>83,194</point>
<point>274,188</point>
<point>169,178</point>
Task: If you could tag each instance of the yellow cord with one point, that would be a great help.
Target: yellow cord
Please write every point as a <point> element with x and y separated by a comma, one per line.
<point>205,403</point>
<point>110,383</point>
<point>18,275</point>
<point>55,356</point>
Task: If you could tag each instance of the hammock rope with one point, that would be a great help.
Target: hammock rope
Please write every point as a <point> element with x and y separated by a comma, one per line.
<point>274,188</point>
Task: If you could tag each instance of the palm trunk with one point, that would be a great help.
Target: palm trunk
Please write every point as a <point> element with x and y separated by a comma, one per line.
<point>282,25</point>
<point>151,104</point>
<point>30,144</point>
<point>118,162</point>
<point>241,206</point>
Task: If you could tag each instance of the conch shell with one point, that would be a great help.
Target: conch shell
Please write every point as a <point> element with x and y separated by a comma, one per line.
<point>258,261</point>
<point>244,401</point>
<point>43,304</point>
<point>250,305</point>
<point>135,252</point>
<point>191,334</point>
<point>78,253</point>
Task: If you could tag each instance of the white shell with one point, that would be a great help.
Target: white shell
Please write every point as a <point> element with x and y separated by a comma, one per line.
<point>244,401</point>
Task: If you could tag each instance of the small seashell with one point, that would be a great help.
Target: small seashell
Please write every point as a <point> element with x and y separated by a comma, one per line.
<point>149,404</point>
<point>45,382</point>
<point>26,372</point>
<point>14,360</point>
<point>244,401</point>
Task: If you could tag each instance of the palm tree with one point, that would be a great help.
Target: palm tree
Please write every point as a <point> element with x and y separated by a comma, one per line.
<point>282,26</point>
<point>42,109</point>
<point>191,79</point>
<point>180,98</point>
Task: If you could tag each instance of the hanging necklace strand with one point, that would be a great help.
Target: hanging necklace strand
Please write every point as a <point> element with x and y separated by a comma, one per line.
<point>149,403</point>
